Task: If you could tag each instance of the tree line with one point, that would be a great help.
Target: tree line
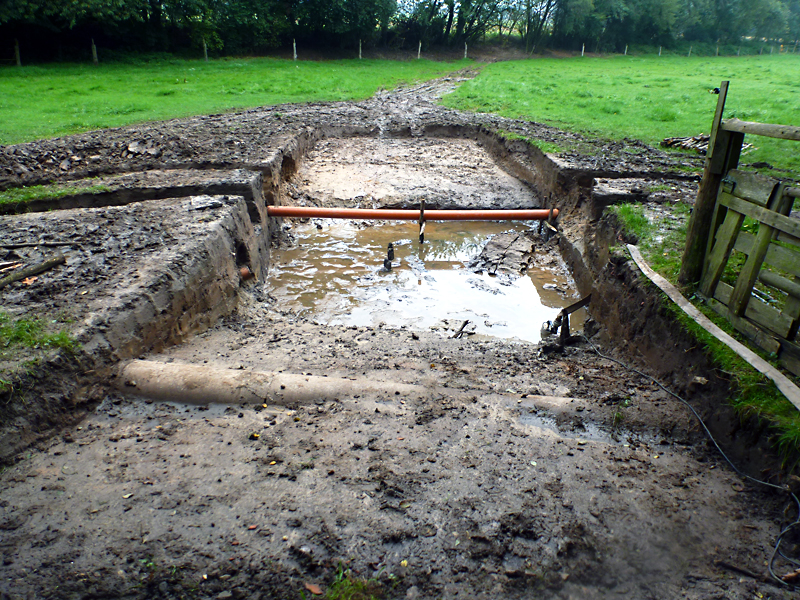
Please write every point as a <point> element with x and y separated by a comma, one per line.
<point>49,30</point>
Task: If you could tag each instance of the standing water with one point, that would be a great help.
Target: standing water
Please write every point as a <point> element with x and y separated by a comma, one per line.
<point>336,275</point>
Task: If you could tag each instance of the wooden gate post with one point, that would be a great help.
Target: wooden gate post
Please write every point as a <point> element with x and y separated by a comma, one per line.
<point>723,154</point>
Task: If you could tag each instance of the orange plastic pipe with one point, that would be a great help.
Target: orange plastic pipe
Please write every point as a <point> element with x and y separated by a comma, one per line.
<point>391,214</point>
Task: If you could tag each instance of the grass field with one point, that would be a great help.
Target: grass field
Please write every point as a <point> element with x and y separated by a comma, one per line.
<point>646,98</point>
<point>48,101</point>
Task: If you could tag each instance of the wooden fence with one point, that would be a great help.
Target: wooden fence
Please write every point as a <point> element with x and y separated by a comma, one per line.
<point>742,245</point>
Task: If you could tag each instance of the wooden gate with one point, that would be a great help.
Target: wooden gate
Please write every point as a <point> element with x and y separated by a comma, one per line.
<point>752,272</point>
<point>743,246</point>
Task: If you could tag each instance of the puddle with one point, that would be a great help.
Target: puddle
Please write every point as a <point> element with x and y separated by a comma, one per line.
<point>582,429</point>
<point>335,276</point>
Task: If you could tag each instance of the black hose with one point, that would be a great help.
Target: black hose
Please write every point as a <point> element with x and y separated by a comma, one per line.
<point>777,549</point>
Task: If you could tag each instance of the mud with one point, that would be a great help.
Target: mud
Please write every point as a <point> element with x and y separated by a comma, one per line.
<point>398,173</point>
<point>518,470</point>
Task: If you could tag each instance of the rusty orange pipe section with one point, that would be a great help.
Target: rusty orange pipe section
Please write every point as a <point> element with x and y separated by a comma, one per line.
<point>390,214</point>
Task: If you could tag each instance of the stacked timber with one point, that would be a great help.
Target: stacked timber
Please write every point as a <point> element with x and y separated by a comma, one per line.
<point>698,143</point>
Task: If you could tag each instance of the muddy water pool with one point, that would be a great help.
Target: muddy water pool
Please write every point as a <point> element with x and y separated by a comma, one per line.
<point>335,275</point>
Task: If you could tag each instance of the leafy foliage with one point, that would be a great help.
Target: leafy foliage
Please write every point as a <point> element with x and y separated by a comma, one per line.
<point>241,26</point>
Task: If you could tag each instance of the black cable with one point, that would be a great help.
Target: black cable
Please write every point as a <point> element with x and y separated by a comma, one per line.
<point>777,549</point>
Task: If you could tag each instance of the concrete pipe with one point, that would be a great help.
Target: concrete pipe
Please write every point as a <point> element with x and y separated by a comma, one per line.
<point>195,384</point>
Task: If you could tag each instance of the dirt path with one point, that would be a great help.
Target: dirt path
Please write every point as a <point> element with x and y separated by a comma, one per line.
<point>478,487</point>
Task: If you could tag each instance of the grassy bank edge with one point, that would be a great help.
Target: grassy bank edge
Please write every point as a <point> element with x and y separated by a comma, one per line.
<point>754,396</point>
<point>22,195</point>
<point>33,337</point>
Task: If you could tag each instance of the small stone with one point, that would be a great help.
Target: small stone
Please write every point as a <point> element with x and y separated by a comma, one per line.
<point>226,595</point>
<point>163,587</point>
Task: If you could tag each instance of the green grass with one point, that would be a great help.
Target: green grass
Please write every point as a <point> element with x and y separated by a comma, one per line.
<point>40,192</point>
<point>754,394</point>
<point>22,342</point>
<point>31,333</point>
<point>347,587</point>
<point>660,237</point>
<point>660,234</point>
<point>46,101</point>
<point>646,98</point>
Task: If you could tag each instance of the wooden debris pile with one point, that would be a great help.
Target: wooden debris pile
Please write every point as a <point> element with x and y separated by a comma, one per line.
<point>698,143</point>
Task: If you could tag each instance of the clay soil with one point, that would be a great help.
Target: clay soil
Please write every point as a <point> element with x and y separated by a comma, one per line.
<point>497,469</point>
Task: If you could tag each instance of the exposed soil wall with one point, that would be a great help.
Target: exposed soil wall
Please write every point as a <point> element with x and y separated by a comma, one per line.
<point>632,314</point>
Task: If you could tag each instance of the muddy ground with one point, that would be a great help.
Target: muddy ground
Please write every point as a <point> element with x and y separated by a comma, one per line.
<point>466,467</point>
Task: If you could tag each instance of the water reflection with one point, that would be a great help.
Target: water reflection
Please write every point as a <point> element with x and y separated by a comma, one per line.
<point>335,275</point>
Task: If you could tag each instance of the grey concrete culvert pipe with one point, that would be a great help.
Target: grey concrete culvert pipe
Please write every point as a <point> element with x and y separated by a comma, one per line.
<point>195,384</point>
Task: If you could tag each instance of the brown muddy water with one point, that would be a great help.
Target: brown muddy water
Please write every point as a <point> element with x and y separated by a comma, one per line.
<point>335,275</point>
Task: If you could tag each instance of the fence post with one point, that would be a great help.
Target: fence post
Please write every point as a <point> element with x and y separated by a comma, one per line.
<point>659,50</point>
<point>94,53</point>
<point>205,49</point>
<point>359,49</point>
<point>626,49</point>
<point>690,50</point>
<point>419,50</point>
<point>722,155</point>
<point>294,48</point>
<point>465,50</point>
<point>583,49</point>
<point>16,53</point>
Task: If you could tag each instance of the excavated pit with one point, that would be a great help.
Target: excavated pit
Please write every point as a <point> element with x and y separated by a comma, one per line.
<point>499,277</point>
<point>443,467</point>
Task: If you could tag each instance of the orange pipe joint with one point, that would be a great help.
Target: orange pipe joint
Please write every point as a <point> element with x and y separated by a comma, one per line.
<point>390,214</point>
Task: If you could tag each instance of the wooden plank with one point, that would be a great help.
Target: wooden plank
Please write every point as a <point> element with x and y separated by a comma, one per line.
<point>782,132</point>
<point>749,273</point>
<point>789,357</point>
<point>768,217</point>
<point>699,228</point>
<point>726,238</point>
<point>791,309</point>
<point>752,332</point>
<point>780,282</point>
<point>789,239</point>
<point>777,256</point>
<point>752,186</point>
<point>789,362</point>
<point>720,212</point>
<point>787,388</point>
<point>576,305</point>
<point>758,311</point>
